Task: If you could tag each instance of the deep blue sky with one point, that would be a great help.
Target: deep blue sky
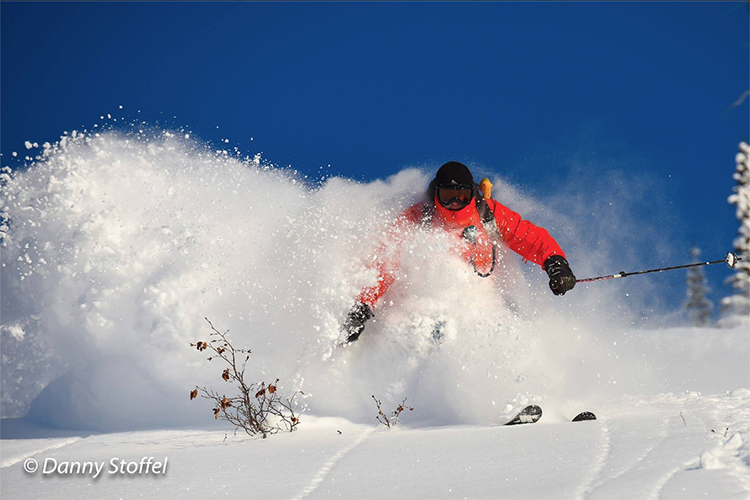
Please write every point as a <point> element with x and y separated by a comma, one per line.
<point>524,88</point>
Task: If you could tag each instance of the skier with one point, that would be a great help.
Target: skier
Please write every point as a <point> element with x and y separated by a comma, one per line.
<point>456,204</point>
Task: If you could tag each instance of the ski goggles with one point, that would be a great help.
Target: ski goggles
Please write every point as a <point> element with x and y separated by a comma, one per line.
<point>461,194</point>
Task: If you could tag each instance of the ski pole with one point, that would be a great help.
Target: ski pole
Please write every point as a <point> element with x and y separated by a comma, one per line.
<point>731,260</point>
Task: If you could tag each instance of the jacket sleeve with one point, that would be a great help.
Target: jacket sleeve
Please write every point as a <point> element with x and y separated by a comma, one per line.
<point>527,240</point>
<point>386,257</point>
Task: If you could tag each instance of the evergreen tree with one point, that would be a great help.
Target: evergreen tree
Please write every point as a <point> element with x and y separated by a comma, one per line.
<point>698,304</point>
<point>736,308</point>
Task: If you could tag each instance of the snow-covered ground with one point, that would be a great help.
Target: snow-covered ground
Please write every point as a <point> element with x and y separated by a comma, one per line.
<point>640,448</point>
<point>119,246</point>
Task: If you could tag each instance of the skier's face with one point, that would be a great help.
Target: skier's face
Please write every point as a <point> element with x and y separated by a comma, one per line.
<point>454,196</point>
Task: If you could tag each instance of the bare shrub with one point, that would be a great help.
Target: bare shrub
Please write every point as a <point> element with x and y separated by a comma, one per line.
<point>394,418</point>
<point>258,408</point>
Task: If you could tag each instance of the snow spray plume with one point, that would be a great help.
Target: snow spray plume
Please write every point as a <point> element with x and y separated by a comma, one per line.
<point>118,245</point>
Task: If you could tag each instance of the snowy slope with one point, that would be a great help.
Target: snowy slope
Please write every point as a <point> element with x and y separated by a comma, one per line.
<point>119,245</point>
<point>641,448</point>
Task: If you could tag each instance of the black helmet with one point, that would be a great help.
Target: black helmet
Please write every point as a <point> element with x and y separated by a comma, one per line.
<point>453,185</point>
<point>454,173</point>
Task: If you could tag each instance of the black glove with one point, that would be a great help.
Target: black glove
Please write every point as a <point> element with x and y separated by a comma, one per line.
<point>355,322</point>
<point>561,278</point>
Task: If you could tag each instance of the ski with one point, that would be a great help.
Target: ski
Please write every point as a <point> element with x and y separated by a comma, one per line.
<point>584,415</point>
<point>528,415</point>
<point>532,413</point>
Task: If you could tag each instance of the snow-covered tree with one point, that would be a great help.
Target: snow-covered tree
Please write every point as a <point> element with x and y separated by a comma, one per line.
<point>736,308</point>
<point>698,305</point>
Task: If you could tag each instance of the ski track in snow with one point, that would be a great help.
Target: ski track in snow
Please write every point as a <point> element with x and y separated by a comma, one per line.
<point>12,461</point>
<point>664,480</point>
<point>602,482</point>
<point>605,455</point>
<point>326,469</point>
<point>671,453</point>
<point>659,487</point>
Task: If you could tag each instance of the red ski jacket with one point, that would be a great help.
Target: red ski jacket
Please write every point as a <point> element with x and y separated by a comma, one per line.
<point>527,240</point>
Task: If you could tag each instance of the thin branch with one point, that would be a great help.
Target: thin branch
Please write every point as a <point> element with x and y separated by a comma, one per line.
<point>393,419</point>
<point>251,409</point>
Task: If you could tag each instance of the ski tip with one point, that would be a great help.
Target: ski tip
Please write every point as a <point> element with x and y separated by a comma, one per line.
<point>529,415</point>
<point>583,416</point>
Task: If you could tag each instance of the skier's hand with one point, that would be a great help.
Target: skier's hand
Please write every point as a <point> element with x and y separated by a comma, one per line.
<point>561,278</point>
<point>355,322</point>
